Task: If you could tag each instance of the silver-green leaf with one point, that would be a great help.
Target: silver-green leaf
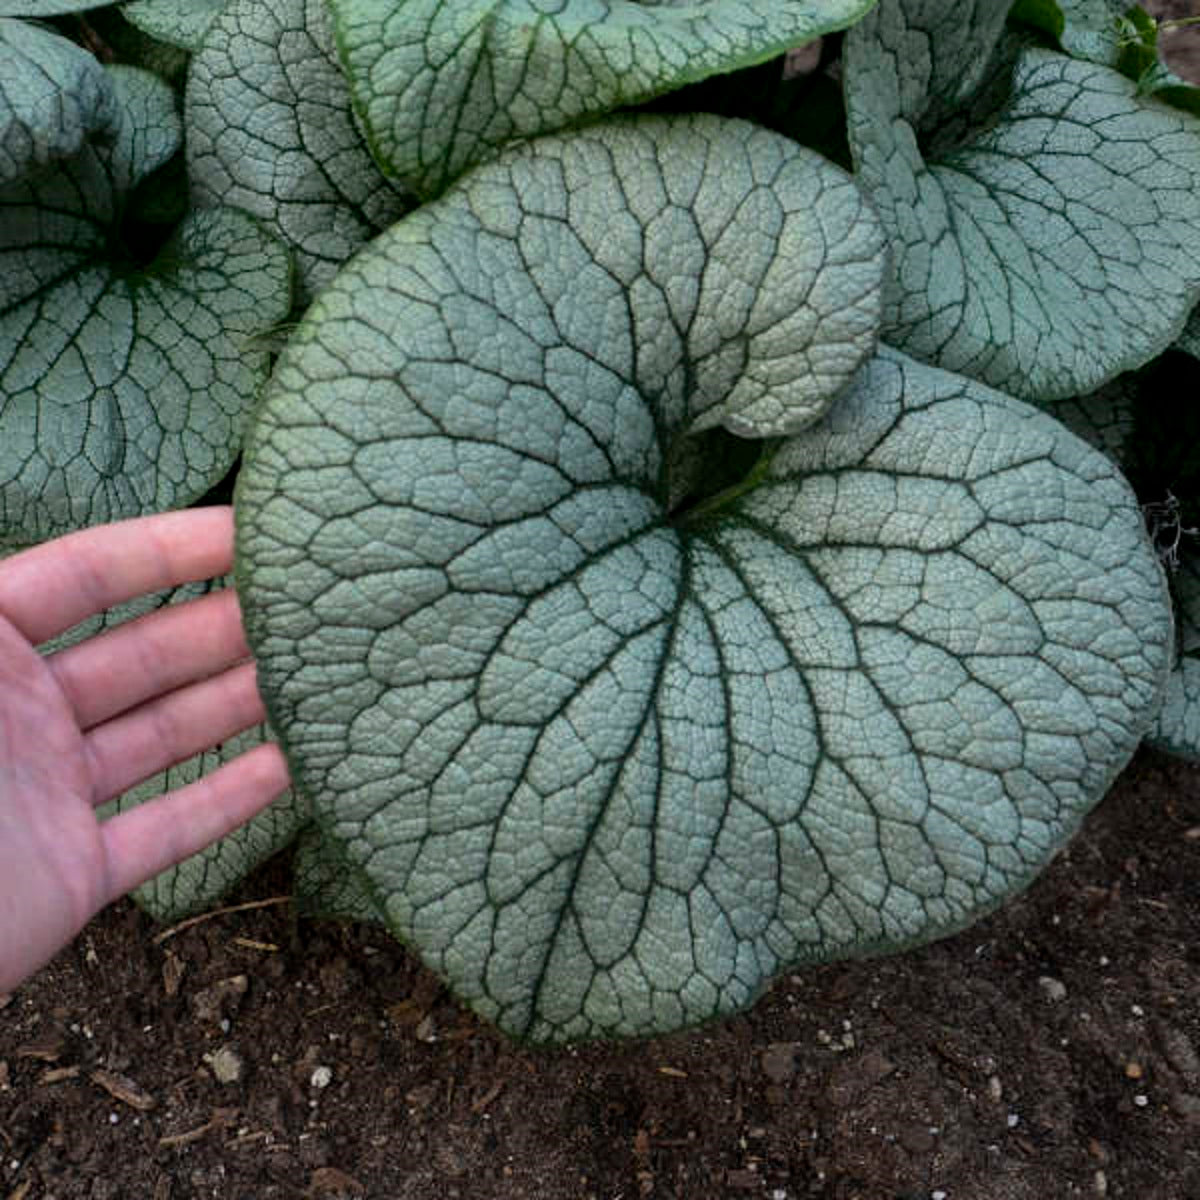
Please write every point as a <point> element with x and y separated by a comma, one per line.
<point>443,84</point>
<point>53,95</point>
<point>609,761</point>
<point>1044,227</point>
<point>270,130</point>
<point>182,23</point>
<point>124,387</point>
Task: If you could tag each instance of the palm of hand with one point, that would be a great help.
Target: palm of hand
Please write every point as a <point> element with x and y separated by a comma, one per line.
<point>82,725</point>
<point>51,853</point>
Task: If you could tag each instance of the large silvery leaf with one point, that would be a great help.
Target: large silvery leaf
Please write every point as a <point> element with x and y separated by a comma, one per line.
<point>124,386</point>
<point>610,761</point>
<point>53,95</point>
<point>1045,227</point>
<point>442,84</point>
<point>270,130</point>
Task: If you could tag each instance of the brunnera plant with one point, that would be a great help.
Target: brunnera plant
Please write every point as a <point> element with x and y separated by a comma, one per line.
<point>694,518</point>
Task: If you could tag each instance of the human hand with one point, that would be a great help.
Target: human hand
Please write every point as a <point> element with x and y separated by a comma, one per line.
<point>82,725</point>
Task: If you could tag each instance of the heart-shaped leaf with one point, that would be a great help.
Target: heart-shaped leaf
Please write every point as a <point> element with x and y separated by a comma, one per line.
<point>124,385</point>
<point>1044,215</point>
<point>270,130</point>
<point>610,760</point>
<point>443,84</point>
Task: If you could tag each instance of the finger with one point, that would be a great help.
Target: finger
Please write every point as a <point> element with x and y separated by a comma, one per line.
<point>46,590</point>
<point>171,729</point>
<point>157,653</point>
<point>140,843</point>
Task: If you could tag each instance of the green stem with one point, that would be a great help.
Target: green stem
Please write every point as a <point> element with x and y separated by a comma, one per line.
<point>1178,23</point>
<point>728,495</point>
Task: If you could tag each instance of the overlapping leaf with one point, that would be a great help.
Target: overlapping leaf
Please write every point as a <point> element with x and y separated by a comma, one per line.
<point>179,22</point>
<point>609,760</point>
<point>1094,30</point>
<point>326,884</point>
<point>53,95</point>
<point>1143,421</point>
<point>124,386</point>
<point>270,130</point>
<point>47,8</point>
<point>443,84</point>
<point>1044,223</point>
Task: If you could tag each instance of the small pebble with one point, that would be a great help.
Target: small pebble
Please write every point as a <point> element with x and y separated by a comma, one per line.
<point>322,1077</point>
<point>1055,989</point>
<point>225,1064</point>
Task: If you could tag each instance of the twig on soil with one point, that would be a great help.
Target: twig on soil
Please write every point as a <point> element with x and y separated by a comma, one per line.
<point>252,944</point>
<point>222,1118</point>
<point>122,1088</point>
<point>482,1103</point>
<point>159,938</point>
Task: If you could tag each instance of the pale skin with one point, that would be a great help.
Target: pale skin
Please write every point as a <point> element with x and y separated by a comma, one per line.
<point>82,725</point>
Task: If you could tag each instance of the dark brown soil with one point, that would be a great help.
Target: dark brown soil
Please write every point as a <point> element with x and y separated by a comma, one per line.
<point>1052,1051</point>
